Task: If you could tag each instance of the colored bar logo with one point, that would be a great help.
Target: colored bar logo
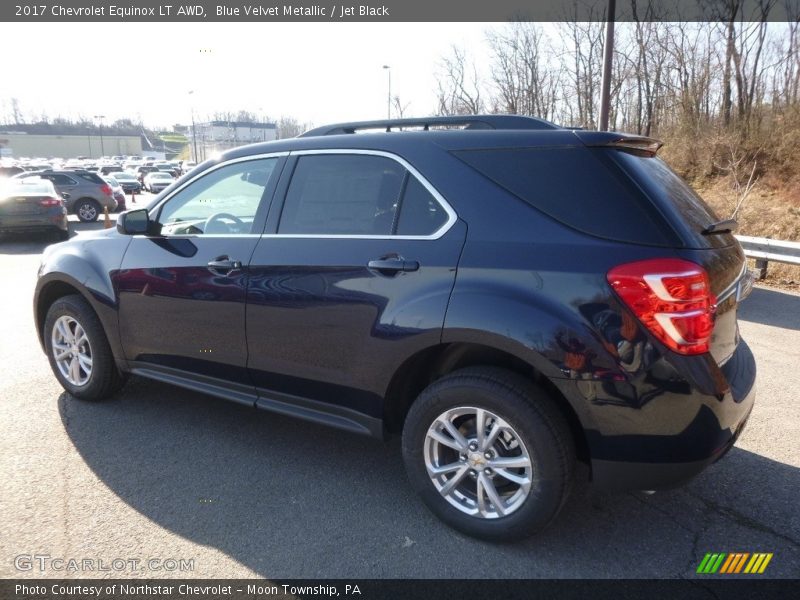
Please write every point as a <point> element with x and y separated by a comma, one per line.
<point>735,562</point>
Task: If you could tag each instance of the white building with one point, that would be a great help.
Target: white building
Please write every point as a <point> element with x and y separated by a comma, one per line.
<point>217,136</point>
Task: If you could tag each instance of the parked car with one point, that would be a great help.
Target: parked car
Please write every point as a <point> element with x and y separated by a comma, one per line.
<point>6,172</point>
<point>168,168</point>
<point>85,194</point>
<point>143,170</point>
<point>117,192</point>
<point>187,165</point>
<point>510,297</point>
<point>156,181</point>
<point>32,204</point>
<point>109,169</point>
<point>129,183</point>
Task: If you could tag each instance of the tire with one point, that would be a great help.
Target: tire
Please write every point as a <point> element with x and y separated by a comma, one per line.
<point>62,235</point>
<point>531,425</point>
<point>88,210</point>
<point>103,378</point>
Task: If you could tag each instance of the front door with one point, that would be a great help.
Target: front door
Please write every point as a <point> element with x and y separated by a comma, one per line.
<point>182,290</point>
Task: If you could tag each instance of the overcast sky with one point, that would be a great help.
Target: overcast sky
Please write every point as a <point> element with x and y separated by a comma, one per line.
<point>315,72</point>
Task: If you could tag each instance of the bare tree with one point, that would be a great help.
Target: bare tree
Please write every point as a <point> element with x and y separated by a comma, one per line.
<point>399,107</point>
<point>523,74</point>
<point>16,113</point>
<point>289,127</point>
<point>459,90</point>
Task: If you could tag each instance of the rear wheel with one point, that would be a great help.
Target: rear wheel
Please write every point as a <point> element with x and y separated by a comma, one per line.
<point>62,235</point>
<point>78,350</point>
<point>87,210</point>
<point>489,453</point>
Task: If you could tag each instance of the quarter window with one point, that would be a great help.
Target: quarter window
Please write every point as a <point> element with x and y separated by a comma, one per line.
<point>420,213</point>
<point>224,201</point>
<point>357,194</point>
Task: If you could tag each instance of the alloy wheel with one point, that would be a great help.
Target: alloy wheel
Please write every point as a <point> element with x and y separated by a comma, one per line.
<point>72,351</point>
<point>478,462</point>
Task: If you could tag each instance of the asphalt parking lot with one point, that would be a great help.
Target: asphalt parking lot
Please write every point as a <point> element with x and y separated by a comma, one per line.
<point>159,472</point>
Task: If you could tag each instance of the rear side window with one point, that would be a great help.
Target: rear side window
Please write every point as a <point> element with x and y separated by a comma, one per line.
<point>579,187</point>
<point>358,194</point>
<point>91,177</point>
<point>59,179</point>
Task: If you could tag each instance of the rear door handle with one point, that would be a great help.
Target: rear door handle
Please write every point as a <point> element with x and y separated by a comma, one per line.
<point>393,265</point>
<point>223,263</point>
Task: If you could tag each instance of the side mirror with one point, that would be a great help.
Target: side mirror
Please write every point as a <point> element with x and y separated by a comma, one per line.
<point>65,195</point>
<point>133,222</point>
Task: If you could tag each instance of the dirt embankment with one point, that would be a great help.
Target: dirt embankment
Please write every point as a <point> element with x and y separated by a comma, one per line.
<point>771,209</point>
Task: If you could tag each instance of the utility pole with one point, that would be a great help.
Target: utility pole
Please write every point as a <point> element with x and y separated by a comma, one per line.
<point>389,95</point>
<point>102,147</point>
<point>194,132</point>
<point>608,55</point>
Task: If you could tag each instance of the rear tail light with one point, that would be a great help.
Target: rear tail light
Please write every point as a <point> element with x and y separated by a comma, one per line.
<point>672,298</point>
<point>106,189</point>
<point>50,202</point>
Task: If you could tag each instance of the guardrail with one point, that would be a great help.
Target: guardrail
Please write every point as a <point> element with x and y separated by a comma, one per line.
<point>765,250</point>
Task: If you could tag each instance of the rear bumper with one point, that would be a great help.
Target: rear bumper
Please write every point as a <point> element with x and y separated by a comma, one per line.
<point>47,221</point>
<point>660,431</point>
<point>620,475</point>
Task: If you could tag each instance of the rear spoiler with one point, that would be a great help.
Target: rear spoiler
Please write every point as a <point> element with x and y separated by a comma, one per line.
<point>635,144</point>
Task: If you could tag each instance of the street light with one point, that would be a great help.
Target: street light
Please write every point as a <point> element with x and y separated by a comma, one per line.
<point>194,133</point>
<point>389,95</point>
<point>102,147</point>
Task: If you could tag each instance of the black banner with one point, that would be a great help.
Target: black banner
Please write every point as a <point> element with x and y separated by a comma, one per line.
<point>373,589</point>
<point>386,10</point>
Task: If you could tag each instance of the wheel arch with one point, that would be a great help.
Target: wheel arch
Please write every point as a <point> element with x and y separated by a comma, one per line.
<point>55,286</point>
<point>432,363</point>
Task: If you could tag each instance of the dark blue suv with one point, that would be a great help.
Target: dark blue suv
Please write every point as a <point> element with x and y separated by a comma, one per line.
<point>509,295</point>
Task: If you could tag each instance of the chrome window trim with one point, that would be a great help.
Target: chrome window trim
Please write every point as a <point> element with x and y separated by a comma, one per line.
<point>452,217</point>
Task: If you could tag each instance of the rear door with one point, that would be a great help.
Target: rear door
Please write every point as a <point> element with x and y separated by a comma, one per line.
<point>64,184</point>
<point>182,289</point>
<point>352,276</point>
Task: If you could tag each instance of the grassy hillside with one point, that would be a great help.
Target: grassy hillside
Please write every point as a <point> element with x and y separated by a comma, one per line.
<point>721,164</point>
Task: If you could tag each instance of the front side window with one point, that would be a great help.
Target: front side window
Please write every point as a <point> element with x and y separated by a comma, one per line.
<point>224,201</point>
<point>358,194</point>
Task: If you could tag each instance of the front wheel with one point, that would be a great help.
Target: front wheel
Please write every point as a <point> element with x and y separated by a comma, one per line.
<point>78,350</point>
<point>489,453</point>
<point>87,210</point>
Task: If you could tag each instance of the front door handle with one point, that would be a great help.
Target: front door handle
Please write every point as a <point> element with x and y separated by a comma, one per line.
<point>393,265</point>
<point>223,263</point>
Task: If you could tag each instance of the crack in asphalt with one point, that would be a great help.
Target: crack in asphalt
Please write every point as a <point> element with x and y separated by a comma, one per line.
<point>743,520</point>
<point>696,533</point>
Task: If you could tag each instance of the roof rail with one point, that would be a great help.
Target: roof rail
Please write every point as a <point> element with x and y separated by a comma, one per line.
<point>467,122</point>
